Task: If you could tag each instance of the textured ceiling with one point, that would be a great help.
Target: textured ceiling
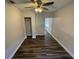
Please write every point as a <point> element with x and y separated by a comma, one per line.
<point>26,3</point>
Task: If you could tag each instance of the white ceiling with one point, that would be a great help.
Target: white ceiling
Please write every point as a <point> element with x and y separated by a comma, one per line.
<point>57,4</point>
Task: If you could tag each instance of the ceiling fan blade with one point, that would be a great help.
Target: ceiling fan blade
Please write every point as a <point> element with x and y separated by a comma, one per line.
<point>33,1</point>
<point>48,3</point>
<point>29,7</point>
<point>45,9</point>
<point>11,1</point>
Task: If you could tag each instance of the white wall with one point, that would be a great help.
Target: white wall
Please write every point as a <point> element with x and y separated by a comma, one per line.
<point>30,13</point>
<point>61,26</point>
<point>49,24</point>
<point>14,29</point>
<point>40,23</point>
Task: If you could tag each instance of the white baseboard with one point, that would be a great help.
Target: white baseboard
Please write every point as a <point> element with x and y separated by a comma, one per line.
<point>29,34</point>
<point>25,37</point>
<point>33,37</point>
<point>61,44</point>
<point>17,48</point>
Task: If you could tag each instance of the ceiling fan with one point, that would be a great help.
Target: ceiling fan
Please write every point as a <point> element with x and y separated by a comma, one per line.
<point>39,5</point>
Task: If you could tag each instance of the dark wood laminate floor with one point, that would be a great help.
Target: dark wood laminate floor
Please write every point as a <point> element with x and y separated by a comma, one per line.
<point>43,47</point>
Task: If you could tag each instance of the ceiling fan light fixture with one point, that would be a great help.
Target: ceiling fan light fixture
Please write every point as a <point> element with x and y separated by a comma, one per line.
<point>38,10</point>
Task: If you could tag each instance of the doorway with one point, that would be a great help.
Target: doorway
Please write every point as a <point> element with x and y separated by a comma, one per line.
<point>28,26</point>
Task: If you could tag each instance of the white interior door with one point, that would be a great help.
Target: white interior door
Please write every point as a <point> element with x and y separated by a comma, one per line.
<point>28,26</point>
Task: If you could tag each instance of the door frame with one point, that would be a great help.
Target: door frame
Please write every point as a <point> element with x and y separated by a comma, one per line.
<point>31,23</point>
